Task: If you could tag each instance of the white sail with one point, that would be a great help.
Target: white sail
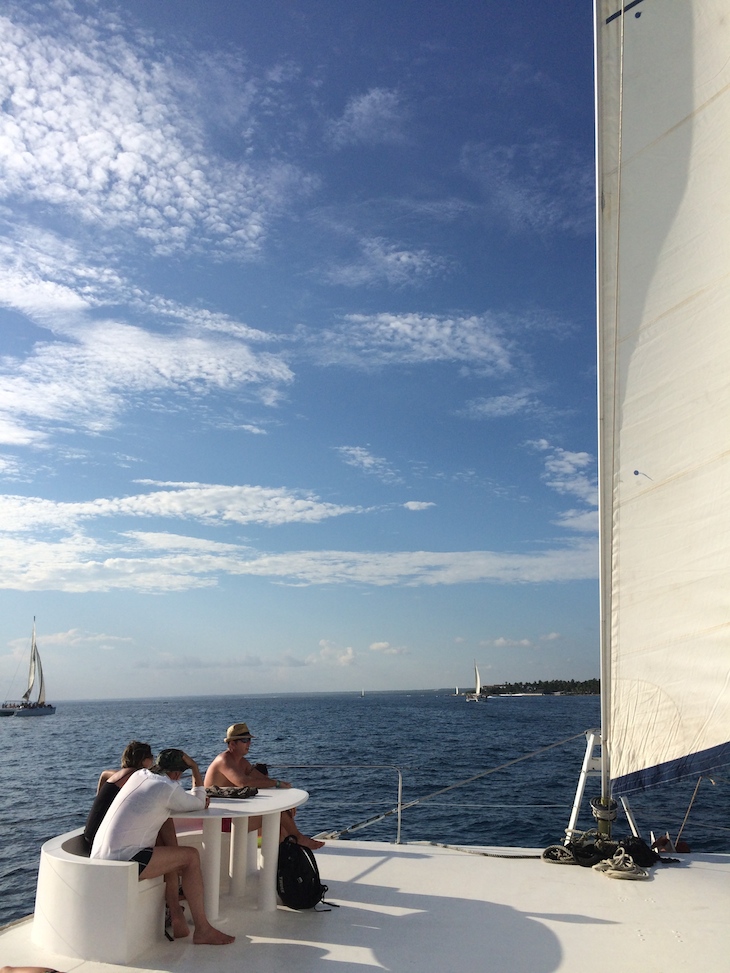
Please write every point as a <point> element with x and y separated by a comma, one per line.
<point>32,665</point>
<point>663,108</point>
<point>477,680</point>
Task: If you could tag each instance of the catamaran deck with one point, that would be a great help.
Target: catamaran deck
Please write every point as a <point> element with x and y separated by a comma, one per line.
<point>432,910</point>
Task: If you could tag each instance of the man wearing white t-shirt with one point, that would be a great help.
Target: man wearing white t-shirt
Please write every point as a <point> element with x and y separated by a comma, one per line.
<point>131,825</point>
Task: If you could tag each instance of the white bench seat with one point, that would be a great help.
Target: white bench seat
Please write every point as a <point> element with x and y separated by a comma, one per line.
<point>92,909</point>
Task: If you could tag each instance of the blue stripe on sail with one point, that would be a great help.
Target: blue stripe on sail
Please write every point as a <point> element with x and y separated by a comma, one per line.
<point>693,765</point>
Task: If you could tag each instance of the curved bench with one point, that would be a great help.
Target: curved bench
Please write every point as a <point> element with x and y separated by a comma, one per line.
<point>92,909</point>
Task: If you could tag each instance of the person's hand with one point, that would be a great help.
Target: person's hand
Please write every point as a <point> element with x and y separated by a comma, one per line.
<point>189,761</point>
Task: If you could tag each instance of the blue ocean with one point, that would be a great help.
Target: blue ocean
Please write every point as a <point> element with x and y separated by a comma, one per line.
<point>346,750</point>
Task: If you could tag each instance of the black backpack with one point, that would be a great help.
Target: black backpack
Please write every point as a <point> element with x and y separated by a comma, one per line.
<point>297,876</point>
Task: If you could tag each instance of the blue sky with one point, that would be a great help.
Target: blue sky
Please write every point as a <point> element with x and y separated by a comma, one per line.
<point>297,367</point>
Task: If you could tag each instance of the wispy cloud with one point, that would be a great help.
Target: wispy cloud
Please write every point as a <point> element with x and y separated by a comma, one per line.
<point>369,340</point>
<point>500,406</point>
<point>543,185</point>
<point>78,563</point>
<point>374,118</point>
<point>92,368</point>
<point>380,262</point>
<point>89,381</point>
<point>418,504</point>
<point>362,459</point>
<point>75,637</point>
<point>505,643</point>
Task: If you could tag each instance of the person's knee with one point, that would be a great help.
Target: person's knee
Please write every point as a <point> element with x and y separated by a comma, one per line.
<point>191,856</point>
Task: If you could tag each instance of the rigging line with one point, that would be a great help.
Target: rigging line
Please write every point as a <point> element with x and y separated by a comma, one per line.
<point>472,851</point>
<point>692,800</point>
<point>451,787</point>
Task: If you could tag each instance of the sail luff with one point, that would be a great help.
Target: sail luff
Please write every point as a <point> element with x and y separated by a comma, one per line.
<point>41,680</point>
<point>663,108</point>
<point>31,667</point>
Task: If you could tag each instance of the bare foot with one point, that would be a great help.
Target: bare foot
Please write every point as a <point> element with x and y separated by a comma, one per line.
<point>180,928</point>
<point>208,936</point>
<point>312,843</point>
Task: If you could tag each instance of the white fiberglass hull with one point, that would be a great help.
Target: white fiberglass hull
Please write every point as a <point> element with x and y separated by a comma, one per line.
<point>406,907</point>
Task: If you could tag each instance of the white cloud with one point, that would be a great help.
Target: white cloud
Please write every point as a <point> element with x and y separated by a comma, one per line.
<point>376,117</point>
<point>92,128</point>
<point>565,472</point>
<point>550,637</point>
<point>543,185</point>
<point>385,648</point>
<point>502,643</point>
<point>98,367</point>
<point>206,503</point>
<point>582,520</point>
<point>78,563</point>
<point>382,262</point>
<point>499,406</point>
<point>412,338</point>
<point>362,459</point>
<point>418,504</point>
<point>330,654</point>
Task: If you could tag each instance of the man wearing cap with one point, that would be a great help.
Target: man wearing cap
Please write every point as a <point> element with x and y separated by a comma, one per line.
<point>131,825</point>
<point>232,769</point>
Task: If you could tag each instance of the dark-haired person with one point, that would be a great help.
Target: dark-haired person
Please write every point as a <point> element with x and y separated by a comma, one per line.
<point>232,769</point>
<point>131,825</point>
<point>137,756</point>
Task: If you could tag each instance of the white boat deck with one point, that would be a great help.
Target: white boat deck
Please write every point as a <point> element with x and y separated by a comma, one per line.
<point>434,910</point>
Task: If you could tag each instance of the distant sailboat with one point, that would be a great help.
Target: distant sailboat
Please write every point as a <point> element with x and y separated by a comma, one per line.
<point>26,706</point>
<point>476,696</point>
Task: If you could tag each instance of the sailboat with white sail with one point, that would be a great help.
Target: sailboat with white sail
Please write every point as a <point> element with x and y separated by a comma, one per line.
<point>663,111</point>
<point>29,706</point>
<point>476,696</point>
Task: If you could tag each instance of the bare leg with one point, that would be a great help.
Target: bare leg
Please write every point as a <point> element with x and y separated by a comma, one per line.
<point>168,838</point>
<point>187,861</point>
<point>23,969</point>
<point>289,827</point>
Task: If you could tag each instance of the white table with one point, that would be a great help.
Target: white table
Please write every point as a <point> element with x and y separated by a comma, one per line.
<point>269,804</point>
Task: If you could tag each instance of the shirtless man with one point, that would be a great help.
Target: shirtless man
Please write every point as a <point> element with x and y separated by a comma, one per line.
<point>232,769</point>
<point>131,825</point>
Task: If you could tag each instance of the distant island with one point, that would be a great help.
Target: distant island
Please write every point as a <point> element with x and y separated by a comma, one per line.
<point>549,687</point>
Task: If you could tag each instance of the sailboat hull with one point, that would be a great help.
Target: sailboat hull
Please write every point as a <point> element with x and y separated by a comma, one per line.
<point>34,711</point>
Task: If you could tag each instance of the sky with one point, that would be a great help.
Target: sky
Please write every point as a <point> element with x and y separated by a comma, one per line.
<point>297,345</point>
